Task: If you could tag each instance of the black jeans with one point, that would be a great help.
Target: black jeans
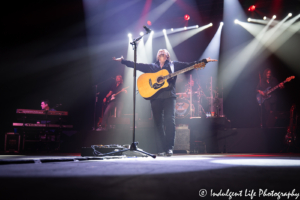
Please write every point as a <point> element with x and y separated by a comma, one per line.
<point>268,113</point>
<point>164,119</point>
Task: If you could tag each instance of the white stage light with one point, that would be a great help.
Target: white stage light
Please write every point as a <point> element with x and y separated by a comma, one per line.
<point>141,33</point>
<point>164,30</point>
<point>236,21</point>
<point>185,28</point>
<point>172,29</point>
<point>211,24</point>
<point>265,17</point>
<point>197,26</point>
<point>221,23</point>
<point>129,35</point>
<point>249,19</point>
<point>274,16</point>
<point>290,14</point>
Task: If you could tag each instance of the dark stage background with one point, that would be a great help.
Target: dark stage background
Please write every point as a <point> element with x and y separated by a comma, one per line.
<point>58,50</point>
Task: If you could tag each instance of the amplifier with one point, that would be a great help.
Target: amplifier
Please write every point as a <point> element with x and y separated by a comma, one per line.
<point>182,139</point>
<point>12,142</point>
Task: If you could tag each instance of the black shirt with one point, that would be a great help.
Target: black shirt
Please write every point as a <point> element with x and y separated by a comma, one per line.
<point>115,89</point>
<point>155,67</point>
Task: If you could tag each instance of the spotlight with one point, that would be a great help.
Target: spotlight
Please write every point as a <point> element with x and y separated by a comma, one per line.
<point>141,33</point>
<point>152,32</point>
<point>221,23</point>
<point>249,19</point>
<point>290,14</point>
<point>172,29</point>
<point>197,26</point>
<point>265,17</point>
<point>129,35</point>
<point>185,28</point>
<point>236,21</point>
<point>251,8</point>
<point>164,30</point>
<point>274,16</point>
<point>211,24</point>
<point>149,23</point>
<point>187,17</point>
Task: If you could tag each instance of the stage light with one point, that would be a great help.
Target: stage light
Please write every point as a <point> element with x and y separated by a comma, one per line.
<point>164,30</point>
<point>197,26</point>
<point>152,32</point>
<point>129,35</point>
<point>185,28</point>
<point>265,17</point>
<point>172,29</point>
<point>221,23</point>
<point>141,33</point>
<point>251,8</point>
<point>187,17</point>
<point>149,23</point>
<point>249,19</point>
<point>236,21</point>
<point>274,16</point>
<point>211,24</point>
<point>290,14</point>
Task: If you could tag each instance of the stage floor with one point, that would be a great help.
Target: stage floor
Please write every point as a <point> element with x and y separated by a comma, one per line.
<point>70,176</point>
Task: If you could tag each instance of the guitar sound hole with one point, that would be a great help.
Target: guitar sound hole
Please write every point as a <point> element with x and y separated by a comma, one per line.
<point>160,79</point>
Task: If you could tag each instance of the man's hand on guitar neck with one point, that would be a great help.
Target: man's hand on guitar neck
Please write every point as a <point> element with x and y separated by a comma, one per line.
<point>281,85</point>
<point>211,60</point>
<point>118,59</point>
<point>124,90</point>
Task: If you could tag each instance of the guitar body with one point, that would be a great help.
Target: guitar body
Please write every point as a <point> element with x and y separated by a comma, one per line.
<point>150,84</point>
<point>260,99</point>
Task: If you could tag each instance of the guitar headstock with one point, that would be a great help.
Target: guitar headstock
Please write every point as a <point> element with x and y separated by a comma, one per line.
<point>290,78</point>
<point>199,65</point>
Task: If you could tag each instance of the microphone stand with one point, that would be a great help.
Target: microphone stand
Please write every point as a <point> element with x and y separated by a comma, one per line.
<point>133,146</point>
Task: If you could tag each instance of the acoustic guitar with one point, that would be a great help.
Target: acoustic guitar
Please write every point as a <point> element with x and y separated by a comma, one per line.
<point>150,84</point>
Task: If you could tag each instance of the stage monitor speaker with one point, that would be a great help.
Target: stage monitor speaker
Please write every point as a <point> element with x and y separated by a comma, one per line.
<point>182,139</point>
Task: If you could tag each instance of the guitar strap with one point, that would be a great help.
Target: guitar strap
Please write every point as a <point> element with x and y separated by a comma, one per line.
<point>172,66</point>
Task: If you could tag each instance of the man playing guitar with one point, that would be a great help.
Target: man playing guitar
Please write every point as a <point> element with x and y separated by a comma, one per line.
<point>112,100</point>
<point>269,105</point>
<point>163,103</point>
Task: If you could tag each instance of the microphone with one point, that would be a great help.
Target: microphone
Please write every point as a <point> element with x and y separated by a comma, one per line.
<point>148,30</point>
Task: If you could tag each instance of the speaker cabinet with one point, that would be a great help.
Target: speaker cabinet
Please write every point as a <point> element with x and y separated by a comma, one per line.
<point>182,139</point>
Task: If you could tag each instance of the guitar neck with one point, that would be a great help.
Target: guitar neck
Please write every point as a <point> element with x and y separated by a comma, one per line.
<point>179,72</point>
<point>120,91</point>
<point>276,87</point>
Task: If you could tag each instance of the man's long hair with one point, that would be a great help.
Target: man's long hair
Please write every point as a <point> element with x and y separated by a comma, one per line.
<point>265,74</point>
<point>165,52</point>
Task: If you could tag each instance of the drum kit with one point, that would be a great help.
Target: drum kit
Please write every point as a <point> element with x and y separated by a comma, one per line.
<point>197,104</point>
